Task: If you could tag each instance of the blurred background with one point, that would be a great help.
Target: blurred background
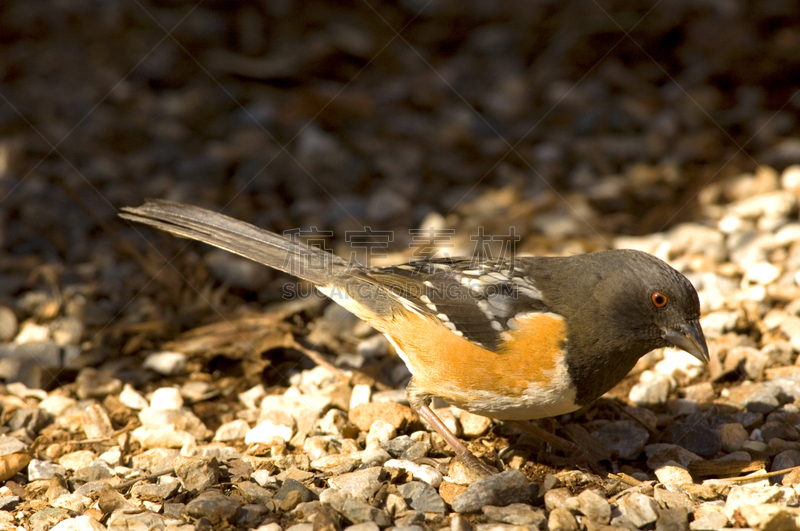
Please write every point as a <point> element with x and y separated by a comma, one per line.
<point>572,121</point>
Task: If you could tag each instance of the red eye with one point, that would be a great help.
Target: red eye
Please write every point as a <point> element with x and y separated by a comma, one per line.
<point>659,299</point>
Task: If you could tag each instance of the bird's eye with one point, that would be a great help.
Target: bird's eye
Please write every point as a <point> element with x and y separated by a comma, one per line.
<point>659,299</point>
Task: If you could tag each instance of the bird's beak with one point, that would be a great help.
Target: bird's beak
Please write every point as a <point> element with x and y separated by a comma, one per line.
<point>688,336</point>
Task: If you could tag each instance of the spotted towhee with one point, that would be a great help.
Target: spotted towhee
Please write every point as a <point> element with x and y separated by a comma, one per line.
<point>517,339</point>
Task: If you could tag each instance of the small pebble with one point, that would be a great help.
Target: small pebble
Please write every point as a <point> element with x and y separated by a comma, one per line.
<point>132,398</point>
<point>166,398</point>
<point>197,473</point>
<point>732,436</point>
<point>44,470</point>
<point>710,522</point>
<point>266,431</point>
<point>641,510</point>
<point>421,496</point>
<point>651,391</point>
<point>214,506</point>
<point>673,474</point>
<point>79,523</point>
<point>234,430</point>
<point>625,437</point>
<point>360,483</point>
<point>424,473</point>
<point>76,460</point>
<point>252,396</point>
<point>594,506</point>
<point>361,395</point>
<point>516,514</point>
<point>561,519</point>
<point>398,415</point>
<point>8,324</point>
<point>507,487</point>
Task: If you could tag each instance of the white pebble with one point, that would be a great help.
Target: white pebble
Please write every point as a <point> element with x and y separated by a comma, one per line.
<point>762,273</point>
<point>79,523</point>
<point>380,431</point>
<point>72,502</point>
<point>234,430</point>
<point>132,398</point>
<point>672,474</point>
<point>166,363</point>
<point>252,396</point>
<point>57,404</point>
<point>361,395</point>
<point>730,224</point>
<point>788,234</point>
<point>680,366</point>
<point>425,473</point>
<point>262,477</point>
<point>651,390</point>
<point>267,430</point>
<point>112,456</point>
<point>44,470</point>
<point>31,332</point>
<point>790,178</point>
<point>77,459</point>
<point>196,391</point>
<point>164,437</point>
<point>166,398</point>
<point>374,455</point>
<point>316,447</point>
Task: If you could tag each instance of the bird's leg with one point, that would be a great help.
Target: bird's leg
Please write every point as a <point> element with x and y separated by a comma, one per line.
<point>419,402</point>
<point>559,443</point>
<point>467,457</point>
<point>556,442</point>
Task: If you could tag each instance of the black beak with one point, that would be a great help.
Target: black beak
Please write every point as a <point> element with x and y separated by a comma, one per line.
<point>689,337</point>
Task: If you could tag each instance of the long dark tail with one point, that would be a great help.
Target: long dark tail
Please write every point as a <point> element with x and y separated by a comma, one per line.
<point>316,266</point>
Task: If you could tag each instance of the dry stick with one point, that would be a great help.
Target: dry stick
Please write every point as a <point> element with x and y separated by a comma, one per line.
<point>148,477</point>
<point>625,479</point>
<point>128,427</point>
<point>757,477</point>
<point>723,481</point>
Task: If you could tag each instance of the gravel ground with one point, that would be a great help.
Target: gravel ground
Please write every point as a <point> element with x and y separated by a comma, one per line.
<point>151,383</point>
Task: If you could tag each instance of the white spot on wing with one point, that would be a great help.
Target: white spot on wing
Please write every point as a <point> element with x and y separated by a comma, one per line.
<point>486,308</point>
<point>514,322</point>
<point>524,286</point>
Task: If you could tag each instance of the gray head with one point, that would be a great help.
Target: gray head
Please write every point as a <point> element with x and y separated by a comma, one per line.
<point>620,305</point>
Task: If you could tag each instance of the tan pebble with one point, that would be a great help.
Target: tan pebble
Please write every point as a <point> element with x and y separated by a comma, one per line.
<point>474,425</point>
<point>792,478</point>
<point>398,415</point>
<point>448,491</point>
<point>672,474</point>
<point>562,520</point>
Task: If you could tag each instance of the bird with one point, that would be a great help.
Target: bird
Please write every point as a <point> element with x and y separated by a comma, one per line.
<point>513,339</point>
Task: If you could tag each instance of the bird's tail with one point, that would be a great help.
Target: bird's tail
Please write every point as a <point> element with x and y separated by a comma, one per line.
<point>309,263</point>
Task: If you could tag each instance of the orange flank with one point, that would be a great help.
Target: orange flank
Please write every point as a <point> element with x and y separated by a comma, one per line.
<point>455,369</point>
